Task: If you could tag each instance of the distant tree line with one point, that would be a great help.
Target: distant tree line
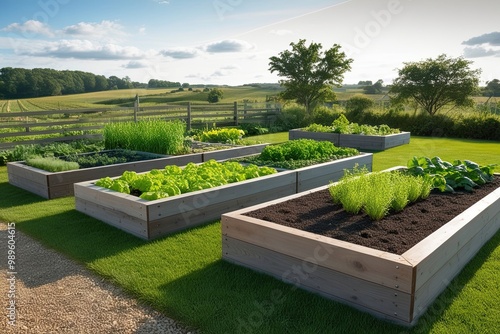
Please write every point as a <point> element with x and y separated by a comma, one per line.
<point>18,83</point>
<point>154,83</point>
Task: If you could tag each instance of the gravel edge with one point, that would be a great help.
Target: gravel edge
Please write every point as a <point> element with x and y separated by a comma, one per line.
<point>54,294</point>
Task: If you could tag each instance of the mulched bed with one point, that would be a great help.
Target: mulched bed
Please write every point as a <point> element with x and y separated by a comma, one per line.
<point>395,233</point>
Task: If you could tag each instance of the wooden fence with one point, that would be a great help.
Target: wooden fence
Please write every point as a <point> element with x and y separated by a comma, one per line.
<point>30,127</point>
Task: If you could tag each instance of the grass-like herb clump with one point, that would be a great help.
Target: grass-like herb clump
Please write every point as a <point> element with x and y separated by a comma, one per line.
<point>155,136</point>
<point>106,158</point>
<point>300,153</point>
<point>51,164</point>
<point>376,194</point>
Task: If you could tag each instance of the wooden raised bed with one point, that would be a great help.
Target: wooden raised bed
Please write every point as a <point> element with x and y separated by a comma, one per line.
<point>153,219</point>
<point>361,142</point>
<point>398,288</point>
<point>53,185</point>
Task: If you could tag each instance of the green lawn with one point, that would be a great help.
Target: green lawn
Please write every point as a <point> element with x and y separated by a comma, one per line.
<point>183,275</point>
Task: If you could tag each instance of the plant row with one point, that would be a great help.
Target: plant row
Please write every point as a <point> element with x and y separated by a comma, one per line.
<point>174,180</point>
<point>154,136</point>
<point>343,126</point>
<point>300,153</point>
<point>447,176</point>
<point>376,194</point>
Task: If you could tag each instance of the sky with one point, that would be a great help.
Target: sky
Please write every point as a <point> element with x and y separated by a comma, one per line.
<point>229,42</point>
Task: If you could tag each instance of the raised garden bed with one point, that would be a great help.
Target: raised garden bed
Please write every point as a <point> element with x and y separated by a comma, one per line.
<point>60,184</point>
<point>153,219</point>
<point>395,286</point>
<point>361,142</point>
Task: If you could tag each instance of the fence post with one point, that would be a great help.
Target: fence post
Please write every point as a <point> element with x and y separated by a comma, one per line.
<point>136,107</point>
<point>188,121</point>
<point>235,113</point>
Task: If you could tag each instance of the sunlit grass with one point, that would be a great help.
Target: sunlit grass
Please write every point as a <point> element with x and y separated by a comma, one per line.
<point>184,276</point>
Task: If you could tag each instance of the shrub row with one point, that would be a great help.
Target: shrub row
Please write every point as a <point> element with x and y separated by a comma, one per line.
<point>467,125</point>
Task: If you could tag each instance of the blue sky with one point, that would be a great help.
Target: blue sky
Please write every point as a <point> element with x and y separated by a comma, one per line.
<point>230,41</point>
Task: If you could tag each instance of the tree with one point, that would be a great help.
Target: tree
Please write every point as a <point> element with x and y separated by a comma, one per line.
<point>215,95</point>
<point>492,88</point>
<point>435,83</point>
<point>376,88</point>
<point>310,74</point>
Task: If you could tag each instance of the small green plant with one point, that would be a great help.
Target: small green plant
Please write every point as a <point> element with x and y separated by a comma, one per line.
<point>299,153</point>
<point>343,126</point>
<point>377,194</point>
<point>447,176</point>
<point>223,135</point>
<point>51,164</point>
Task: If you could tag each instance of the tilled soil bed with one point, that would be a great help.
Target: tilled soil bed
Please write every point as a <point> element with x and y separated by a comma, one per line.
<point>395,233</point>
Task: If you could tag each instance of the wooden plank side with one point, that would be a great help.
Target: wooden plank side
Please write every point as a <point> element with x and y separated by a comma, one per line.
<point>200,212</point>
<point>322,174</point>
<point>29,185</point>
<point>438,248</point>
<point>128,204</point>
<point>26,172</point>
<point>233,152</point>
<point>61,191</point>
<point>435,285</point>
<point>309,275</point>
<point>116,218</point>
<point>230,192</point>
<point>375,266</point>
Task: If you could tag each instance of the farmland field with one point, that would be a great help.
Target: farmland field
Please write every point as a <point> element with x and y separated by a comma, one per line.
<point>125,98</point>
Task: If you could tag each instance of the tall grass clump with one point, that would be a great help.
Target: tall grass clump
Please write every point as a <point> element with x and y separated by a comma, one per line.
<point>155,136</point>
<point>377,194</point>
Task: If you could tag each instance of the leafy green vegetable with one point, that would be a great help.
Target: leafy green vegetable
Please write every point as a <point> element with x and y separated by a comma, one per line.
<point>174,180</point>
<point>447,176</point>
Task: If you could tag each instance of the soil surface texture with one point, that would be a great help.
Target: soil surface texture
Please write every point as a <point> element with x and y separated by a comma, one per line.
<point>395,233</point>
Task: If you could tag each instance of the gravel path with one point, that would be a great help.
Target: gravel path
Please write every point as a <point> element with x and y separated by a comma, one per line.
<point>56,295</point>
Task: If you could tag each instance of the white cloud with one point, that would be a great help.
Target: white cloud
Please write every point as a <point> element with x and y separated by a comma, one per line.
<point>492,38</point>
<point>93,29</point>
<point>29,28</point>
<point>179,53</point>
<point>478,52</point>
<point>134,64</point>
<point>228,45</point>
<point>85,49</point>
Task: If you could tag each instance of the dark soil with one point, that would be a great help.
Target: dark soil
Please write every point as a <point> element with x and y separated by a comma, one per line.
<point>395,233</point>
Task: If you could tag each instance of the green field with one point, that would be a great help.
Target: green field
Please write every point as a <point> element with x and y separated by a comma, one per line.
<point>125,98</point>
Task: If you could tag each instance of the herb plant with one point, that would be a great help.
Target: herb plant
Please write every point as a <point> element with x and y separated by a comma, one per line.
<point>155,136</point>
<point>376,194</point>
<point>51,164</point>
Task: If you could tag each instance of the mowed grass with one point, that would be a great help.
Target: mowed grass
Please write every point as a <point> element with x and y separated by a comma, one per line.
<point>184,276</point>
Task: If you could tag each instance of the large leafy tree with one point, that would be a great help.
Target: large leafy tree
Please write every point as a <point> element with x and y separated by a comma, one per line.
<point>310,73</point>
<point>435,83</point>
<point>492,88</point>
<point>215,95</point>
